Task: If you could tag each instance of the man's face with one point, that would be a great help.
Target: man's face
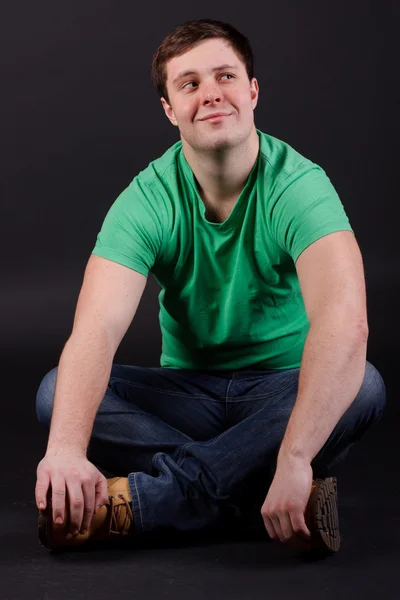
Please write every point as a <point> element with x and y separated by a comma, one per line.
<point>208,79</point>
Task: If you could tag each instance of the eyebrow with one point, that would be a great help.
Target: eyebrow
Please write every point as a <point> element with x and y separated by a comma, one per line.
<point>191,72</point>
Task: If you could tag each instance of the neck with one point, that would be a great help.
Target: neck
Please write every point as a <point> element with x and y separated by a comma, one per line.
<point>221,175</point>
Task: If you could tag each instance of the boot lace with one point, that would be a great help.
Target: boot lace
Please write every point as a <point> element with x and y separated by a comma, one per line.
<point>115,516</point>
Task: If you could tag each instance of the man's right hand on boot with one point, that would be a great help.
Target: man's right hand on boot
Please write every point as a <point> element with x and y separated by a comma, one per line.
<point>70,473</point>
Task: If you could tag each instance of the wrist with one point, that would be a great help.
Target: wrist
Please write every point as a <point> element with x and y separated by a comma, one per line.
<point>59,450</point>
<point>292,457</point>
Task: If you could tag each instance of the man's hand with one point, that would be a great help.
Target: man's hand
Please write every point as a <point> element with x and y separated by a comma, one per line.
<point>72,475</point>
<point>286,502</point>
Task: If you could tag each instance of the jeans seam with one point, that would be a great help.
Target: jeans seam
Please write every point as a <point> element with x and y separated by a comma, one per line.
<point>183,449</point>
<point>162,391</point>
<point>264,395</point>
<point>186,446</point>
<point>154,456</point>
<point>139,504</point>
<point>229,385</point>
<point>202,397</point>
<point>227,396</point>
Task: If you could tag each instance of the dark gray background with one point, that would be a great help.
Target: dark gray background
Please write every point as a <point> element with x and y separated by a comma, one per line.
<point>79,118</point>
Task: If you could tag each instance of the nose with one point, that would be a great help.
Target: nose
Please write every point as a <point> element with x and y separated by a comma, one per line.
<point>212,98</point>
<point>211,94</point>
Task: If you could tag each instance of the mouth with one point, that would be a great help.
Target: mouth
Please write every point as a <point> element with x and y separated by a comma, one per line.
<point>215,118</point>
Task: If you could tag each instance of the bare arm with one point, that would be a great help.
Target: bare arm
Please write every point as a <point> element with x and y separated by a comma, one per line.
<point>107,303</point>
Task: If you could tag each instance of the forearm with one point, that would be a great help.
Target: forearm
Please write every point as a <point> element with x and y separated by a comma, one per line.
<point>82,378</point>
<point>331,374</point>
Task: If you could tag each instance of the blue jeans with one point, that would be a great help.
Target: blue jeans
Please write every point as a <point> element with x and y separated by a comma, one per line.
<point>199,448</point>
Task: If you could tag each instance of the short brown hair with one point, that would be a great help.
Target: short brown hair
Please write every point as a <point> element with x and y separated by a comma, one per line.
<point>186,36</point>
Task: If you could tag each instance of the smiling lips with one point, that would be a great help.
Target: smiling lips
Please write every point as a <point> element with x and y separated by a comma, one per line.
<point>214,116</point>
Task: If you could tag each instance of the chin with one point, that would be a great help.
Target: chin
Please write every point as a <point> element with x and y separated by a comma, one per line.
<point>220,140</point>
<point>226,139</point>
<point>217,142</point>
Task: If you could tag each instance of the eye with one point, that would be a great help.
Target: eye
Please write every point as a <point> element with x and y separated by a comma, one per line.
<point>188,83</point>
<point>222,75</point>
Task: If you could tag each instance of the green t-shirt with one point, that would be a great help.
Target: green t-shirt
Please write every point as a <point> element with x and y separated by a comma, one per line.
<point>230,294</point>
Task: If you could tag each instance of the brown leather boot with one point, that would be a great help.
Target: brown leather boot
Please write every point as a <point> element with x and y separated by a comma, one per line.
<point>113,520</point>
<point>322,517</point>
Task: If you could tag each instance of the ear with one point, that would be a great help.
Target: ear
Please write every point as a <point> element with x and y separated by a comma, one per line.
<point>254,91</point>
<point>169,112</point>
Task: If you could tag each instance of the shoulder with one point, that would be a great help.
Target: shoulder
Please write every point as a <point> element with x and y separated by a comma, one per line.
<point>280,163</point>
<point>161,171</point>
<point>148,195</point>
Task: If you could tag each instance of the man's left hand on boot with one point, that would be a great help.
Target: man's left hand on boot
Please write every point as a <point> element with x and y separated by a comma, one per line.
<point>285,506</point>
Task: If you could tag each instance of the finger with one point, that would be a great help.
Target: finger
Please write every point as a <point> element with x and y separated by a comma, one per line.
<point>273,527</point>
<point>286,527</point>
<point>269,527</point>
<point>75,502</point>
<point>98,499</point>
<point>58,498</point>
<point>89,501</point>
<point>299,525</point>
<point>42,486</point>
<point>277,526</point>
<point>101,491</point>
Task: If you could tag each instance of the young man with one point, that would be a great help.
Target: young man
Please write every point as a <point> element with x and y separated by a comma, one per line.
<point>263,384</point>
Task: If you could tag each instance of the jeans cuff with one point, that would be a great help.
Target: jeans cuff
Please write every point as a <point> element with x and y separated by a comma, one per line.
<point>136,505</point>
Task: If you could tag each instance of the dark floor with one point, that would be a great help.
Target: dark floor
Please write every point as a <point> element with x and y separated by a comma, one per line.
<point>367,564</point>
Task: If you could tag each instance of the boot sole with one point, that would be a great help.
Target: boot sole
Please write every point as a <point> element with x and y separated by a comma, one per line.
<point>324,516</point>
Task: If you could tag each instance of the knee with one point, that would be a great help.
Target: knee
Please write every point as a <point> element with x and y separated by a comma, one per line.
<point>372,394</point>
<point>45,397</point>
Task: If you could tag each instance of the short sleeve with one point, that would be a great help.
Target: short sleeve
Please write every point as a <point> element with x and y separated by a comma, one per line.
<point>307,209</point>
<point>132,230</point>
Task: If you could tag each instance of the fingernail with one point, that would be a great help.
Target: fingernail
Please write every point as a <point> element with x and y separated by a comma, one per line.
<point>75,532</point>
<point>59,520</point>
<point>41,506</point>
<point>83,531</point>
